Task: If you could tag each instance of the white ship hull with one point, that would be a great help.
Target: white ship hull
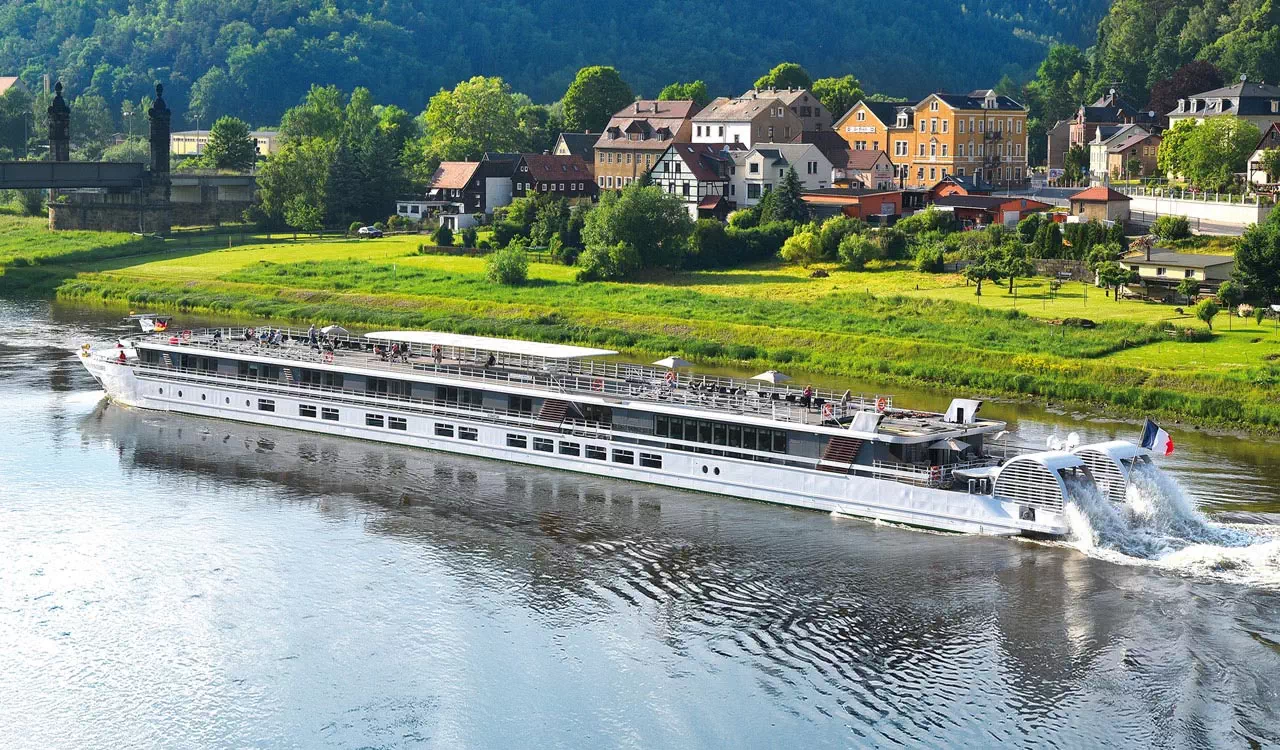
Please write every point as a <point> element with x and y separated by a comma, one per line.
<point>845,494</point>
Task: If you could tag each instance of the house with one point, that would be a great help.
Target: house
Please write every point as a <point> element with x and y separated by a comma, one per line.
<point>879,206</point>
<point>866,169</point>
<point>813,116</point>
<point>458,190</point>
<point>1059,142</point>
<point>581,145</point>
<point>193,142</point>
<point>1138,148</point>
<point>981,133</point>
<point>1106,138</point>
<point>700,174</point>
<point>413,207</point>
<point>636,136</point>
<point>1101,204</point>
<point>12,83</point>
<point>756,171</point>
<point>1160,272</point>
<point>1270,139</point>
<point>752,119</point>
<point>1110,109</point>
<point>1259,103</point>
<point>828,142</point>
<point>564,176</point>
<point>984,210</point>
<point>957,185</point>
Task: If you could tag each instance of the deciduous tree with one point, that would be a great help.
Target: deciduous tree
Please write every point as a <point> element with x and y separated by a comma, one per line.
<point>838,95</point>
<point>784,75</point>
<point>230,145</point>
<point>477,115</point>
<point>694,90</point>
<point>595,94</point>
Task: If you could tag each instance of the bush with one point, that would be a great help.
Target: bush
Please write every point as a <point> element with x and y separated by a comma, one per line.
<point>484,245</point>
<point>560,252</point>
<point>834,231</point>
<point>614,263</point>
<point>469,237</point>
<point>928,220</point>
<point>31,202</point>
<point>1170,228</point>
<point>509,266</point>
<point>443,236</point>
<point>504,231</point>
<point>710,245</point>
<point>929,258</point>
<point>893,243</point>
<point>744,218</point>
<point>356,226</point>
<point>855,250</point>
<point>379,226</point>
<point>803,248</point>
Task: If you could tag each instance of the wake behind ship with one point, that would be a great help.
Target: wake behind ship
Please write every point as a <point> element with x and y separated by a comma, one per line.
<point>566,407</point>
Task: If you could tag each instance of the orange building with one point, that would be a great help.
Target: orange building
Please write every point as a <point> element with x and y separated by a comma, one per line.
<point>981,134</point>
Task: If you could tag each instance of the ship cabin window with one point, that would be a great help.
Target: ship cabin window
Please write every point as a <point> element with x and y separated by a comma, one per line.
<point>306,410</point>
<point>651,460</point>
<point>623,457</point>
<point>720,433</point>
<point>570,449</point>
<point>597,452</point>
<point>459,395</point>
<point>398,423</point>
<point>910,453</point>
<point>266,404</point>
<point>520,404</point>
<point>468,433</point>
<point>328,414</point>
<point>389,387</point>
<point>320,378</point>
<point>517,441</point>
<point>544,445</point>
<point>199,364</point>
<point>444,430</point>
<point>597,413</point>
<point>373,420</point>
<point>258,370</point>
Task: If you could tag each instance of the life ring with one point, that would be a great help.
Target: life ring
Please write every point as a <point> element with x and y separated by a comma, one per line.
<point>935,473</point>
<point>173,340</point>
<point>882,403</point>
<point>828,411</point>
<point>597,385</point>
<point>328,358</point>
<point>671,377</point>
<point>186,336</point>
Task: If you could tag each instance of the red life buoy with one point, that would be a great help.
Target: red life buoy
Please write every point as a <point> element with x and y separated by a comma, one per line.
<point>881,404</point>
<point>186,336</point>
<point>173,340</point>
<point>597,385</point>
<point>671,377</point>
<point>935,473</point>
<point>827,411</point>
<point>328,357</point>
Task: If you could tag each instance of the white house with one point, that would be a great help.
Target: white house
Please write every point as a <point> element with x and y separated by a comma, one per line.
<point>1270,139</point>
<point>1259,103</point>
<point>699,173</point>
<point>759,170</point>
<point>748,120</point>
<point>1104,140</point>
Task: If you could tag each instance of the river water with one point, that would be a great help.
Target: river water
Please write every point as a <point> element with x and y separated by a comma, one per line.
<point>171,582</point>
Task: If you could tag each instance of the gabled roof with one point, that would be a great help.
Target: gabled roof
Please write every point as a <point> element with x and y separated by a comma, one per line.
<point>987,202</point>
<point>677,109</point>
<point>453,175</point>
<point>8,82</point>
<point>1270,137</point>
<point>707,162</point>
<point>968,183</point>
<point>724,109</point>
<point>1129,140</point>
<point>974,101</point>
<point>1099,194</point>
<point>776,153</point>
<point>1183,260</point>
<point>579,144</point>
<point>789,96</point>
<point>886,112</point>
<point>828,142</point>
<point>550,167</point>
<point>862,160</point>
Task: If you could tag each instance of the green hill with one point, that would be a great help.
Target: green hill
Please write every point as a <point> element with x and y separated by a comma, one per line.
<point>254,58</point>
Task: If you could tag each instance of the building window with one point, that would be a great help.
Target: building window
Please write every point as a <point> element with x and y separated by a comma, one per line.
<point>373,420</point>
<point>960,126</point>
<point>1019,123</point>
<point>517,441</point>
<point>266,404</point>
<point>861,116</point>
<point>327,414</point>
<point>944,149</point>
<point>544,445</point>
<point>1159,272</point>
<point>464,433</point>
<point>597,453</point>
<point>651,460</point>
<point>753,190</point>
<point>306,410</point>
<point>444,430</point>
<point>623,457</point>
<point>944,126</point>
<point>933,106</point>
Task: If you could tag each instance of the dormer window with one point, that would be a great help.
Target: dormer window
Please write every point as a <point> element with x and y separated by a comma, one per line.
<point>933,106</point>
<point>1275,105</point>
<point>1182,105</point>
<point>862,116</point>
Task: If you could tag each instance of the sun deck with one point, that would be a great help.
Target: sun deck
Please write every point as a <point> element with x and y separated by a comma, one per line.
<point>571,372</point>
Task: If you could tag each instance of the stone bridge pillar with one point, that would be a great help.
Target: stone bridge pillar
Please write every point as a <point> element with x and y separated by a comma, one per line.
<point>59,126</point>
<point>161,118</point>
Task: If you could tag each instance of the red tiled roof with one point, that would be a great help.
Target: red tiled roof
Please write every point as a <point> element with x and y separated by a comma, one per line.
<point>710,202</point>
<point>653,108</point>
<point>1099,194</point>
<point>863,159</point>
<point>549,167</point>
<point>453,175</point>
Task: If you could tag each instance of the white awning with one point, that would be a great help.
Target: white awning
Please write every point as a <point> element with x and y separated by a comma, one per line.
<point>490,344</point>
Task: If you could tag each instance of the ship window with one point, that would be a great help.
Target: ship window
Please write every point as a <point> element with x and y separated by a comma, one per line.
<point>520,404</point>
<point>266,404</point>
<point>779,441</point>
<point>623,457</point>
<point>570,449</point>
<point>544,445</point>
<point>329,414</point>
<point>661,427</point>
<point>651,460</point>
<point>718,433</point>
<point>179,394</point>
<point>675,428</point>
<point>517,441</point>
<point>306,410</point>
<point>468,433</point>
<point>459,395</point>
<point>373,420</point>
<point>735,436</point>
<point>691,430</point>
<point>444,430</point>
<point>398,423</point>
<point>749,438</point>
<point>597,452</point>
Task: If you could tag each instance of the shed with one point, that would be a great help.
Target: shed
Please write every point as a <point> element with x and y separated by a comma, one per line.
<point>1100,203</point>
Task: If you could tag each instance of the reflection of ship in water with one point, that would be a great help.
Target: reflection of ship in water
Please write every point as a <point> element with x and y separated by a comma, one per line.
<point>884,621</point>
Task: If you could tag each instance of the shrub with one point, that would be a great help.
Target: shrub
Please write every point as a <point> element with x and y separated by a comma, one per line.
<point>1206,310</point>
<point>614,263</point>
<point>1259,315</point>
<point>483,245</point>
<point>928,220</point>
<point>380,226</point>
<point>509,266</point>
<point>744,218</point>
<point>855,250</point>
<point>929,258</point>
<point>31,202</point>
<point>834,231</point>
<point>504,231</point>
<point>893,243</point>
<point>443,236</point>
<point>710,245</point>
<point>560,252</point>
<point>355,227</point>
<point>803,248</point>
<point>469,237</point>
<point>1171,228</point>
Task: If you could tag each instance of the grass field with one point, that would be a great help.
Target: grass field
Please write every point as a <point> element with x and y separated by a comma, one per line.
<point>882,324</point>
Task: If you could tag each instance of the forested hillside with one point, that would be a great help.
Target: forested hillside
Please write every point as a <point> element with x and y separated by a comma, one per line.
<point>254,58</point>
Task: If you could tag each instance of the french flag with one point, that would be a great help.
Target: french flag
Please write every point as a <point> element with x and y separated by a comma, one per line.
<point>1156,439</point>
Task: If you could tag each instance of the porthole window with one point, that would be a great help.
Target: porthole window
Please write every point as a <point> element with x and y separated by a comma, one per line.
<point>179,394</point>
<point>704,469</point>
<point>228,399</point>
<point>246,402</point>
<point>717,471</point>
<point>202,397</point>
<point>161,391</point>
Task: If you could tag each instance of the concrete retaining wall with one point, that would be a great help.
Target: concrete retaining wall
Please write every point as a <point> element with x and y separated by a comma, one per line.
<point>1144,209</point>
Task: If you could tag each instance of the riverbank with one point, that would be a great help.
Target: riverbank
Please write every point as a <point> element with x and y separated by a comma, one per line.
<point>890,326</point>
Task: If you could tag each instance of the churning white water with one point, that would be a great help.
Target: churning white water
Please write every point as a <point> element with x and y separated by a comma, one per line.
<point>1159,525</point>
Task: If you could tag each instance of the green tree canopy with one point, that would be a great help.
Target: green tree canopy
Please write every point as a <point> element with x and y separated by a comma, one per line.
<point>785,202</point>
<point>319,115</point>
<point>654,223</point>
<point>1216,149</point>
<point>838,95</point>
<point>230,145</point>
<point>803,248</point>
<point>597,92</point>
<point>1271,164</point>
<point>1258,259</point>
<point>694,90</point>
<point>478,115</point>
<point>1171,153</point>
<point>16,121</point>
<point>784,75</point>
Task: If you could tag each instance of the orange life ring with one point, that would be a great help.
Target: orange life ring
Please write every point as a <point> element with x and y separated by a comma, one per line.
<point>173,340</point>
<point>671,377</point>
<point>597,385</point>
<point>328,357</point>
<point>935,473</point>
<point>186,336</point>
<point>828,411</point>
<point>882,403</point>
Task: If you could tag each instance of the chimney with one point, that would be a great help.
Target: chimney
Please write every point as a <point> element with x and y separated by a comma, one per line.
<point>1147,245</point>
<point>637,107</point>
<point>655,106</point>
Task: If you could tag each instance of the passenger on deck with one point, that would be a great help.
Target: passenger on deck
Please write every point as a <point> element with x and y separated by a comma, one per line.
<point>248,334</point>
<point>313,336</point>
<point>806,398</point>
<point>437,354</point>
<point>217,336</point>
<point>491,361</point>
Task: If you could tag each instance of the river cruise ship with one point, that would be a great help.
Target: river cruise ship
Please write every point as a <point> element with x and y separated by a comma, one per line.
<point>570,408</point>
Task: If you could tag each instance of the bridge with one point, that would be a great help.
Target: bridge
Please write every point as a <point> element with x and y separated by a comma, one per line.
<point>66,175</point>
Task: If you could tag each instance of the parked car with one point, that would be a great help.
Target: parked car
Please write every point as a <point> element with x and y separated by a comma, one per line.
<point>369,232</point>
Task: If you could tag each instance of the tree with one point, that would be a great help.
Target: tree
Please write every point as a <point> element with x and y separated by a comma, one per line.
<point>469,237</point>
<point>838,95</point>
<point>1195,77</point>
<point>833,232</point>
<point>16,123</point>
<point>1012,261</point>
<point>508,266</point>
<point>1189,287</point>
<point>654,225</point>
<point>538,128</point>
<point>1113,275</point>
<point>981,270</point>
<point>1231,294</point>
<point>477,115</point>
<point>1206,311</point>
<point>803,248</point>
<point>299,169</point>
<point>135,150</point>
<point>93,127</point>
<point>856,249</point>
<point>1048,241</point>
<point>230,145</point>
<point>1216,149</point>
<point>212,94</point>
<point>1075,163</point>
<point>1171,228</point>
<point>616,262</point>
<point>785,75</point>
<point>694,90</point>
<point>1271,164</point>
<point>596,93</point>
<point>1058,89</point>
<point>442,236</point>
<point>785,203</point>
<point>1133,168</point>
<point>1258,259</point>
<point>319,115</point>
<point>1170,154</point>
<point>303,216</point>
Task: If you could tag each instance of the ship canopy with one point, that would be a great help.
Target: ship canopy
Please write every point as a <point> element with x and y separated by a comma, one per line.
<point>491,344</point>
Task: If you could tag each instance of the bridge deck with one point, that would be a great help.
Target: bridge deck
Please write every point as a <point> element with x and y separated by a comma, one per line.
<point>23,175</point>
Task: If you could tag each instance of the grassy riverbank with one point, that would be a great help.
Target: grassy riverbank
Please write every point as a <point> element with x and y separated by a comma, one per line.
<point>890,325</point>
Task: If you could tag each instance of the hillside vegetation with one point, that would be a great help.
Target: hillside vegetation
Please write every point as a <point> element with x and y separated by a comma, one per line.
<point>254,58</point>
